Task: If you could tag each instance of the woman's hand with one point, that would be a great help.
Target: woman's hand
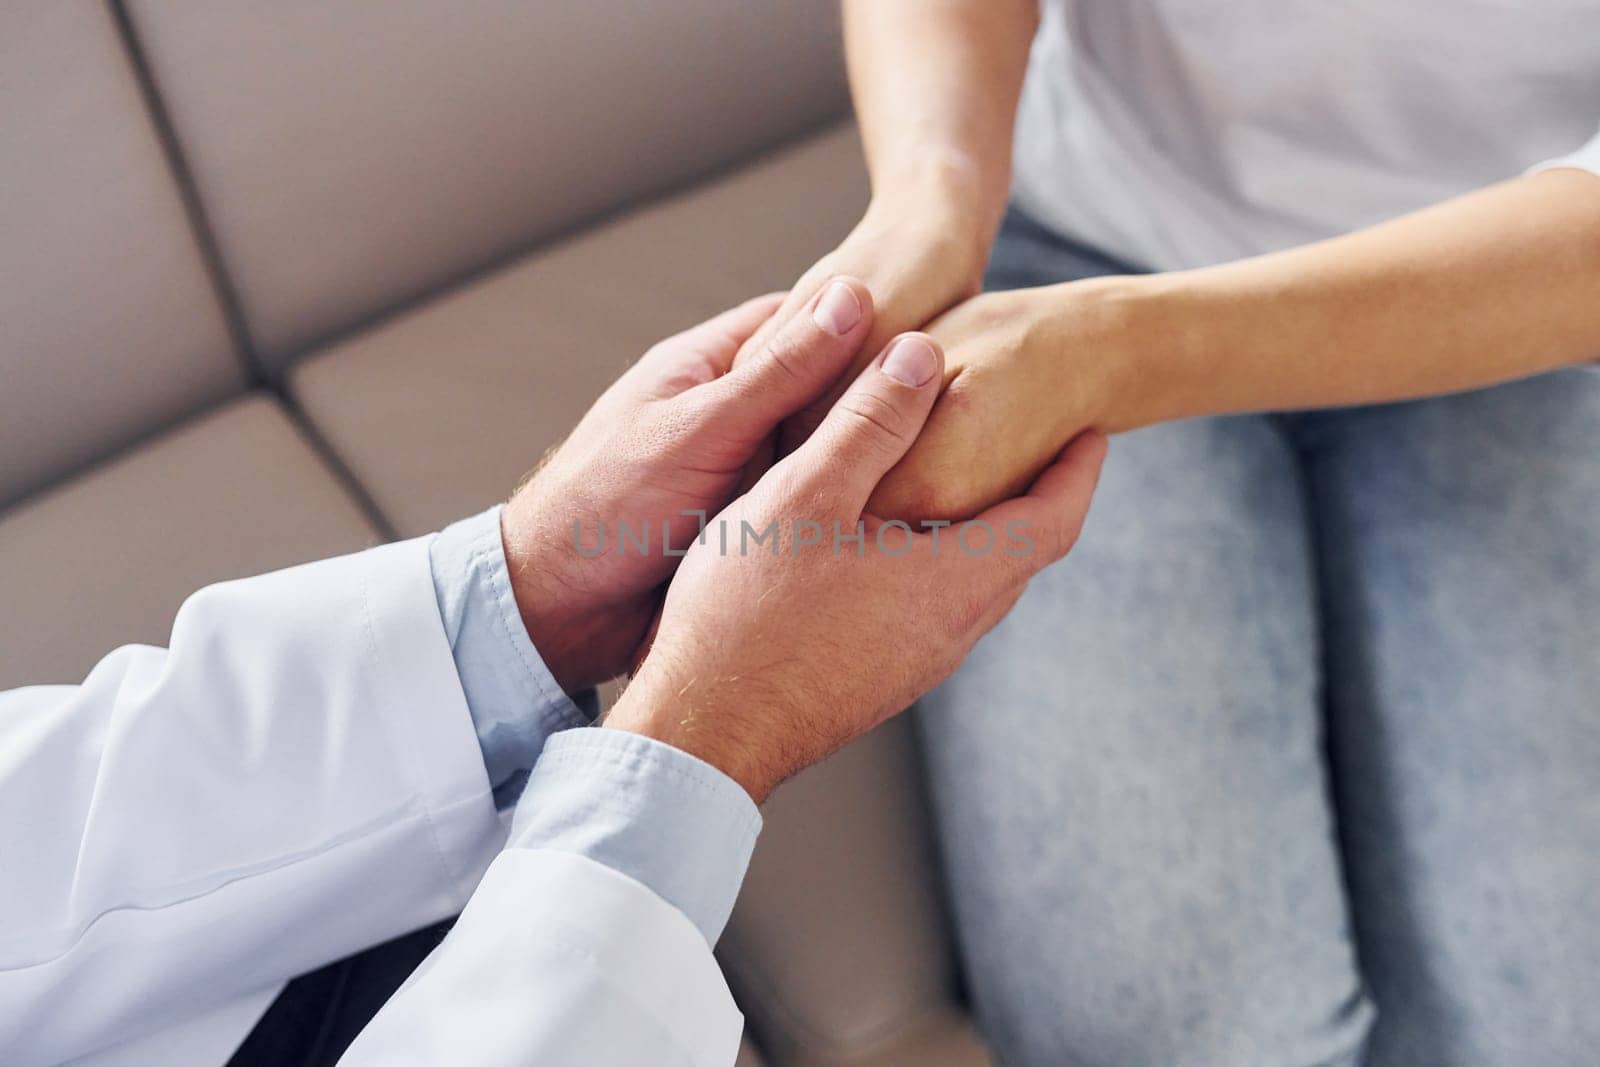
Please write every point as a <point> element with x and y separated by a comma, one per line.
<point>918,257</point>
<point>1026,371</point>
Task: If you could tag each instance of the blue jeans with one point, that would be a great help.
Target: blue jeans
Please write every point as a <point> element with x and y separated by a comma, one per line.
<point>1296,758</point>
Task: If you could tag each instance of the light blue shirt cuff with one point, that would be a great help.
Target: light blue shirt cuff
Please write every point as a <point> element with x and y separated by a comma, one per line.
<point>512,697</point>
<point>667,820</point>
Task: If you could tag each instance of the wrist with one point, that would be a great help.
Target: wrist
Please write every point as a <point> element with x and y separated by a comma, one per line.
<point>914,170</point>
<point>575,641</point>
<point>946,204</point>
<point>1130,342</point>
<point>681,716</point>
<point>1178,324</point>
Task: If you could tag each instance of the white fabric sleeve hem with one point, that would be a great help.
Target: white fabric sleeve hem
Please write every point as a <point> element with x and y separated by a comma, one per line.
<point>526,977</point>
<point>1587,157</point>
<point>656,814</point>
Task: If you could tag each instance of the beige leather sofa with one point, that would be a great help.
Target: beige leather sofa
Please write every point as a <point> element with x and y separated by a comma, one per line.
<point>282,280</point>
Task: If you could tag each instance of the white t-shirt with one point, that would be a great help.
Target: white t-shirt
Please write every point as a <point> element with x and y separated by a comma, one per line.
<point>1178,133</point>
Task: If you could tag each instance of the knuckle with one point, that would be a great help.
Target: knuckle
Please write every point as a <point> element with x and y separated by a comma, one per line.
<point>967,414</point>
<point>787,355</point>
<point>872,415</point>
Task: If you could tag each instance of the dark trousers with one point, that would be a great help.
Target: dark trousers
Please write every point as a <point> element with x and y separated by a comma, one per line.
<point>318,1015</point>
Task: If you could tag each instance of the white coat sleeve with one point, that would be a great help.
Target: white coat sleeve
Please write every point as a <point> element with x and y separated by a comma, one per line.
<point>297,778</point>
<point>526,978</point>
<point>651,845</point>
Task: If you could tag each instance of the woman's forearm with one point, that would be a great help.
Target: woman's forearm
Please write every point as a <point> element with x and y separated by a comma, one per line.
<point>936,84</point>
<point>1495,285</point>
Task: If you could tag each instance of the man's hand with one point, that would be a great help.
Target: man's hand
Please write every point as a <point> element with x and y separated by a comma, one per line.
<point>671,436</point>
<point>1028,370</point>
<point>770,656</point>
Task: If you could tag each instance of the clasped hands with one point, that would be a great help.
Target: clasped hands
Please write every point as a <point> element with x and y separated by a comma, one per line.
<point>762,662</point>
<point>1026,370</point>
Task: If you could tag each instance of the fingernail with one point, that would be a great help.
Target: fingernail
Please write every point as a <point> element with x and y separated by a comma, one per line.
<point>911,362</point>
<point>838,311</point>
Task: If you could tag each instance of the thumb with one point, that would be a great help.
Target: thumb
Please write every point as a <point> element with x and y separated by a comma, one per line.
<point>796,364</point>
<point>872,425</point>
